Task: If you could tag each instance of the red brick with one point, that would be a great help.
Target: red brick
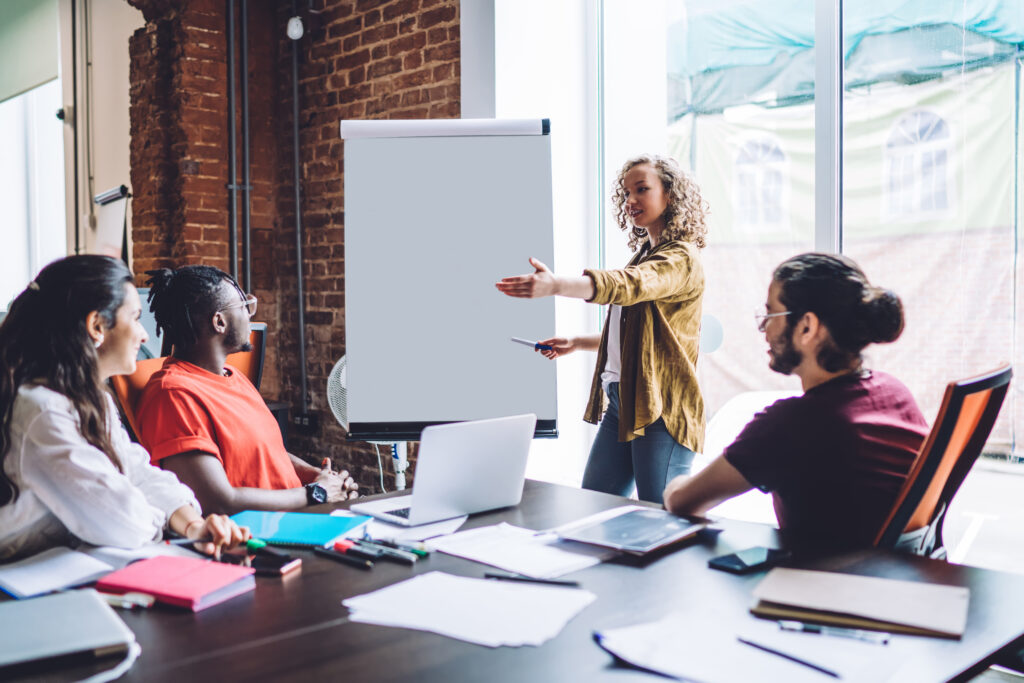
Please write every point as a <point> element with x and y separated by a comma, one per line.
<point>413,41</point>
<point>436,16</point>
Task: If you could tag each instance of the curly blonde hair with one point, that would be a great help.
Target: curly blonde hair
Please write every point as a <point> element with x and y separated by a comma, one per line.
<point>686,213</point>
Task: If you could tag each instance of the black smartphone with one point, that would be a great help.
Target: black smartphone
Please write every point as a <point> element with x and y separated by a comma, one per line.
<point>275,565</point>
<point>749,560</point>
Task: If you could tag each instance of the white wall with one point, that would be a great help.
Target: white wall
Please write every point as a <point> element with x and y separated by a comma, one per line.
<point>104,27</point>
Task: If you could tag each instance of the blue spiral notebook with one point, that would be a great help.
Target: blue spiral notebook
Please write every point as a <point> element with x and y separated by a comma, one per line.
<point>297,528</point>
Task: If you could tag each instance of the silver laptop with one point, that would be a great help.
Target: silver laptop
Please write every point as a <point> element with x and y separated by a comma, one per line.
<point>462,468</point>
<point>63,624</point>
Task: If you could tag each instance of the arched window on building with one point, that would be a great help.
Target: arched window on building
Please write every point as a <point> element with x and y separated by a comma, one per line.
<point>760,198</point>
<point>917,166</point>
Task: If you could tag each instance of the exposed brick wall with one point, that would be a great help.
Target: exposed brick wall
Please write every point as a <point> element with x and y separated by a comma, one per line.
<point>358,59</point>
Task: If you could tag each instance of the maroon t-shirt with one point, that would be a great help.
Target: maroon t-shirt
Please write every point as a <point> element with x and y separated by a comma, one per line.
<point>834,458</point>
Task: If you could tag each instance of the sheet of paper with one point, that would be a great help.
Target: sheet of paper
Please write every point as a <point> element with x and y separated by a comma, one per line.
<point>50,570</point>
<point>522,551</point>
<point>694,645</point>
<point>486,612</point>
<point>393,532</point>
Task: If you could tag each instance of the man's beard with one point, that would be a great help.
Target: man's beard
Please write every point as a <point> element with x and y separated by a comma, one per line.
<point>240,340</point>
<point>787,358</point>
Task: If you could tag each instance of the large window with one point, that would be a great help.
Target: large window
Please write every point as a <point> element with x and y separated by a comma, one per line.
<point>927,106</point>
<point>930,180</point>
<point>31,187</point>
<point>740,116</point>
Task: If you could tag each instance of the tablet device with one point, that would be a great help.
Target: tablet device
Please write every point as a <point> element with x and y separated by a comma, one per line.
<point>631,529</point>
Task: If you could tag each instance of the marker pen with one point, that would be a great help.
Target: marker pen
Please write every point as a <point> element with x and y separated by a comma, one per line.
<point>536,345</point>
<point>350,548</point>
<point>390,553</point>
<point>418,549</point>
<point>343,558</point>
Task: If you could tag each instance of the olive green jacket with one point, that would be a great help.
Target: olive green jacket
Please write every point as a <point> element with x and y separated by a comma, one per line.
<point>660,292</point>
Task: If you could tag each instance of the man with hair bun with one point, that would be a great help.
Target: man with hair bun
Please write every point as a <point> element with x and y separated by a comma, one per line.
<point>835,457</point>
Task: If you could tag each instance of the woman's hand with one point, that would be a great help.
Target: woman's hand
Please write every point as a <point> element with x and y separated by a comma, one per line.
<point>540,283</point>
<point>218,532</point>
<point>560,346</point>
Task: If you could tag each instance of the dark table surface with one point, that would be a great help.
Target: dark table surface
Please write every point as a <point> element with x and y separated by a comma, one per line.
<point>296,629</point>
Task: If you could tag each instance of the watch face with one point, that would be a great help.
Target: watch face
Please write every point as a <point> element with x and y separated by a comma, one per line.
<point>317,493</point>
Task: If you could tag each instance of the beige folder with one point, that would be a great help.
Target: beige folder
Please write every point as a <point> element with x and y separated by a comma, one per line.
<point>863,602</point>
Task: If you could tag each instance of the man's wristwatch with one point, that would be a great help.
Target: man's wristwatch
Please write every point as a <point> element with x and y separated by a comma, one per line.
<point>315,494</point>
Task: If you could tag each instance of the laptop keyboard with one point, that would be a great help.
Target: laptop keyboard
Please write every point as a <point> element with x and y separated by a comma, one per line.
<point>400,512</point>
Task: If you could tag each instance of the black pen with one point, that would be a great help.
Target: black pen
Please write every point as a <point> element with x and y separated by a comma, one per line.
<point>530,579</point>
<point>343,558</point>
<point>786,655</point>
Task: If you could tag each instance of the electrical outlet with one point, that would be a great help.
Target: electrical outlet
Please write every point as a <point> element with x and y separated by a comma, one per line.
<point>306,423</point>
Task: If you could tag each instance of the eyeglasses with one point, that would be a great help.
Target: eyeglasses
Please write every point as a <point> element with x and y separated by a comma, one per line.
<point>249,303</point>
<point>762,319</point>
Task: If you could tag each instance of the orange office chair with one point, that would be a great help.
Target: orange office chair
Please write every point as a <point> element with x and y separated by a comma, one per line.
<point>128,388</point>
<point>251,362</point>
<point>968,412</point>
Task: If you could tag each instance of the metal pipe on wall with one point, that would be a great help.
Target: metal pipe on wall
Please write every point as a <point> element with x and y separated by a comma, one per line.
<point>298,218</point>
<point>246,171</point>
<point>232,147</point>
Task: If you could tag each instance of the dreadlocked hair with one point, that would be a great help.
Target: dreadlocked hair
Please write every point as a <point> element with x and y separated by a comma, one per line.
<point>45,340</point>
<point>180,299</point>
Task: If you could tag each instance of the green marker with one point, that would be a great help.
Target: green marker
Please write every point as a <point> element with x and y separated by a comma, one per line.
<point>258,546</point>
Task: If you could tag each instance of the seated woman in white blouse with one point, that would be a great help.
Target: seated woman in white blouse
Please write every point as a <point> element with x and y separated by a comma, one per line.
<point>68,472</point>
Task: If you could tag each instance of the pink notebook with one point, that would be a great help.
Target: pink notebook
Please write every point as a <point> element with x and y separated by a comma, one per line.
<point>190,582</point>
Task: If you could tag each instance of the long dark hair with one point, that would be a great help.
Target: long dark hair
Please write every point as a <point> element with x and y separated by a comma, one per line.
<point>44,338</point>
<point>836,290</point>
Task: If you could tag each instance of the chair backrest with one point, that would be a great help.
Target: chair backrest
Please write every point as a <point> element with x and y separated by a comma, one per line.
<point>968,412</point>
<point>128,388</point>
<point>250,363</point>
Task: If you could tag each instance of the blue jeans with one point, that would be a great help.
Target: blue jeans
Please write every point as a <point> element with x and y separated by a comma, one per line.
<point>649,461</point>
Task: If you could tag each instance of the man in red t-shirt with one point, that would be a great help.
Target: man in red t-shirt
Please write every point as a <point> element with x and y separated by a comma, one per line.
<point>834,458</point>
<point>206,422</point>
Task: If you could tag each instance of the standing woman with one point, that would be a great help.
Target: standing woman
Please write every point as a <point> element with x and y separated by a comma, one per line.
<point>68,472</point>
<point>646,370</point>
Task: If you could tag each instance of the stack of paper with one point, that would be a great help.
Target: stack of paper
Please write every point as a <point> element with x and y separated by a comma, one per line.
<point>491,613</point>
<point>521,550</point>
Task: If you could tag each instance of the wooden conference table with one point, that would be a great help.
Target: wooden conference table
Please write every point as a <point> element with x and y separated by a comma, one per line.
<point>296,629</point>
